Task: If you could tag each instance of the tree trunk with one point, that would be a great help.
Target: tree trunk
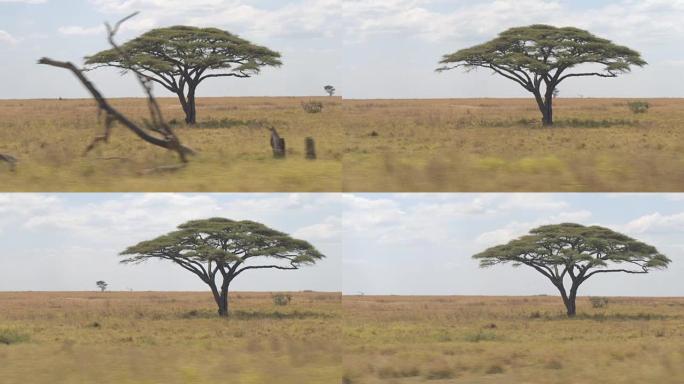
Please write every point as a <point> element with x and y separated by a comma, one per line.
<point>188,104</point>
<point>568,300</point>
<point>277,144</point>
<point>545,105</point>
<point>223,303</point>
<point>221,298</point>
<point>572,298</point>
<point>310,148</point>
<point>548,109</point>
<point>191,112</point>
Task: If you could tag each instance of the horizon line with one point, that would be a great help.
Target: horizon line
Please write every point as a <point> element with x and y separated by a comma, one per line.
<point>354,98</point>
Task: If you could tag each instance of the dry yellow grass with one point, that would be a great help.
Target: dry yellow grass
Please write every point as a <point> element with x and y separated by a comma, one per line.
<point>421,145</point>
<point>49,137</point>
<point>498,145</point>
<point>405,340</point>
<point>170,338</point>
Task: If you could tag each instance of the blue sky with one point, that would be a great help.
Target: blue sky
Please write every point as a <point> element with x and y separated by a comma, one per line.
<point>367,48</point>
<point>60,242</point>
<point>421,244</point>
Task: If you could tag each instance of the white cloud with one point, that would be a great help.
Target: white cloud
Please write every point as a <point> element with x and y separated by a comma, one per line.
<point>469,20</point>
<point>7,38</point>
<point>137,24</point>
<point>531,201</point>
<point>390,222</point>
<point>138,216</point>
<point>656,222</point>
<point>306,18</point>
<point>516,229</point>
<point>329,230</point>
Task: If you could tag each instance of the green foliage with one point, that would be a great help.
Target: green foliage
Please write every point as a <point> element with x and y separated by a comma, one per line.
<point>598,302</point>
<point>282,299</point>
<point>574,248</point>
<point>544,50</point>
<point>182,50</point>
<point>312,106</point>
<point>12,336</point>
<point>638,106</point>
<point>225,242</point>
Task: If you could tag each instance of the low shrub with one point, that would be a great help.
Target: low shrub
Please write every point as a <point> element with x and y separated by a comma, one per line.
<point>638,106</point>
<point>599,302</point>
<point>12,336</point>
<point>282,299</point>
<point>480,336</point>
<point>312,106</point>
<point>392,372</point>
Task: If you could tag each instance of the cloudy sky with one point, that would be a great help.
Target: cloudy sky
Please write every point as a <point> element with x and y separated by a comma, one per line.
<point>64,242</point>
<point>409,244</point>
<point>423,243</point>
<point>368,48</point>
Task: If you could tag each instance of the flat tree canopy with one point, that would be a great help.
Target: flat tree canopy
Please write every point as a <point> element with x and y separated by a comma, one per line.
<point>218,250</point>
<point>575,252</point>
<point>179,58</point>
<point>539,57</point>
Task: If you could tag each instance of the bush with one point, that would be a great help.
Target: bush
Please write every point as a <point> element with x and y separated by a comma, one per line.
<point>389,372</point>
<point>313,106</point>
<point>12,336</point>
<point>599,302</point>
<point>282,299</point>
<point>638,106</point>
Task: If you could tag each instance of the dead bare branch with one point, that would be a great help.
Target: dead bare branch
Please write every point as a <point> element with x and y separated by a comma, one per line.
<point>168,138</point>
<point>11,160</point>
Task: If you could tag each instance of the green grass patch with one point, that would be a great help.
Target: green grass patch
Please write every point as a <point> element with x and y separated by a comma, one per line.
<point>12,336</point>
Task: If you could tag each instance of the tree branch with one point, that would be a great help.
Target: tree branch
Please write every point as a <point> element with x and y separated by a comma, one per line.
<point>169,140</point>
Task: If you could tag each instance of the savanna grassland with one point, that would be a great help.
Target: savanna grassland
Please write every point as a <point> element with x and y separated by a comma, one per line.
<point>49,137</point>
<point>524,340</point>
<point>170,338</point>
<point>499,145</point>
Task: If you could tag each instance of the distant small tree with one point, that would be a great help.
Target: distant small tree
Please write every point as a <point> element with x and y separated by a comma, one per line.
<point>539,57</point>
<point>329,89</point>
<point>102,285</point>
<point>219,250</point>
<point>574,253</point>
<point>179,58</point>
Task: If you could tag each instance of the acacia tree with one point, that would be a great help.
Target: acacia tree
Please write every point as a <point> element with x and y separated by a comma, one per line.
<point>179,58</point>
<point>539,57</point>
<point>329,89</point>
<point>218,250</point>
<point>574,253</point>
<point>102,285</point>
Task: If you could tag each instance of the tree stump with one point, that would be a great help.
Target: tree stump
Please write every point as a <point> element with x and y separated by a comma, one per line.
<point>277,144</point>
<point>310,148</point>
<point>12,161</point>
